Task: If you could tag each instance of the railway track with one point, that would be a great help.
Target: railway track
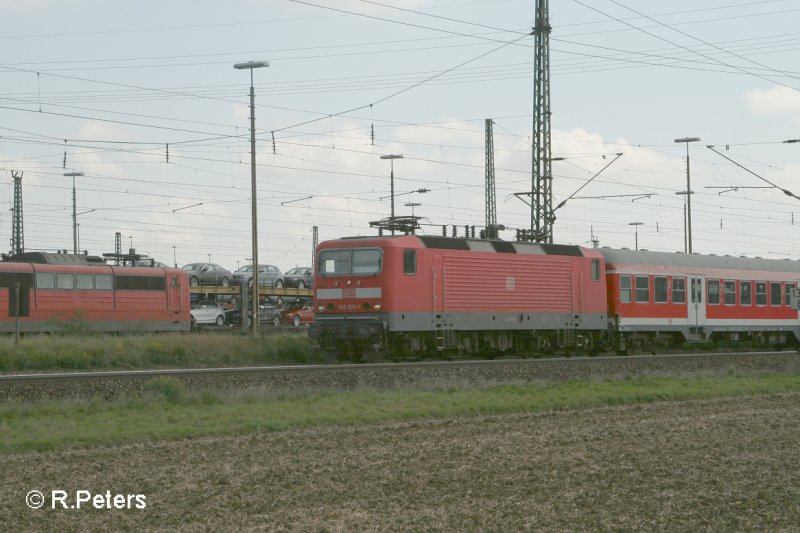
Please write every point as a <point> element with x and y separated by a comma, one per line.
<point>428,374</point>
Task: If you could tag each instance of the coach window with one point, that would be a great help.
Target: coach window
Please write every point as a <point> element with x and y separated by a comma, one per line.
<point>45,280</point>
<point>660,290</point>
<point>775,294</point>
<point>761,293</point>
<point>789,291</point>
<point>745,293</point>
<point>713,292</point>
<point>625,289</point>
<point>409,262</point>
<point>103,282</point>
<point>729,292</point>
<point>595,270</point>
<point>642,289</point>
<point>679,290</point>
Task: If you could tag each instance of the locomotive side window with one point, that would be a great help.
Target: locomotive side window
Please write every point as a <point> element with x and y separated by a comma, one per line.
<point>409,262</point>
<point>84,282</point>
<point>660,290</point>
<point>45,280</point>
<point>678,290</point>
<point>761,293</point>
<point>745,293</point>
<point>713,292</point>
<point>625,289</point>
<point>729,289</point>
<point>789,292</point>
<point>775,294</point>
<point>65,281</point>
<point>103,282</point>
<point>642,289</point>
<point>595,270</point>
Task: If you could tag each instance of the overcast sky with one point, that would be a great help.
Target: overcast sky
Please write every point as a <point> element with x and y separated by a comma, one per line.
<point>144,100</point>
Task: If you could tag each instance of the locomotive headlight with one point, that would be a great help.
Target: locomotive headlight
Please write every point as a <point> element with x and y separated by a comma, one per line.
<point>321,308</point>
<point>377,307</point>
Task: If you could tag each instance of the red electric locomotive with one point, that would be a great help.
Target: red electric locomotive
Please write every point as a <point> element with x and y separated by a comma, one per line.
<point>418,294</point>
<point>54,288</point>
<point>656,298</point>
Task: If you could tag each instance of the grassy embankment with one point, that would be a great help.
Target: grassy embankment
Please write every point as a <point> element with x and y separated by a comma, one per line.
<point>169,350</point>
<point>166,411</point>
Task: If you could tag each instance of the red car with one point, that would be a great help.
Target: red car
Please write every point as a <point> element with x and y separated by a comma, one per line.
<point>296,317</point>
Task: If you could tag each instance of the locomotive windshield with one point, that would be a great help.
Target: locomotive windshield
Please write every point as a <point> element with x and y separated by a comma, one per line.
<point>363,262</point>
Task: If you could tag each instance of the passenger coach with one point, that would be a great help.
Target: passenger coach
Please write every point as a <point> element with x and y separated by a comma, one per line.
<point>657,297</point>
<point>59,287</point>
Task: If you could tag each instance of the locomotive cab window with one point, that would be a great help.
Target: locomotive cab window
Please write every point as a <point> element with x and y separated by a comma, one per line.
<point>409,262</point>
<point>362,262</point>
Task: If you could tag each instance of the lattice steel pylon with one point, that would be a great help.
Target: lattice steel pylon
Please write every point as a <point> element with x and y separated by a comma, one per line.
<point>542,216</point>
<point>17,233</point>
<point>491,202</point>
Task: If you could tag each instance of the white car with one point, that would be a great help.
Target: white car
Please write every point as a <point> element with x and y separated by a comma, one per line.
<point>207,312</point>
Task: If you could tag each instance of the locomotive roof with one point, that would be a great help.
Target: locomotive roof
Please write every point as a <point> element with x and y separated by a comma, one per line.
<point>644,257</point>
<point>477,245</point>
<point>44,258</point>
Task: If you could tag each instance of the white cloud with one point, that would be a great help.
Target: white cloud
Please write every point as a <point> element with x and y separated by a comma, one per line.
<point>777,100</point>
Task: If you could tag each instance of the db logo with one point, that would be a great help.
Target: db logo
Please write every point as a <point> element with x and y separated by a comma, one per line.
<point>349,293</point>
<point>510,283</point>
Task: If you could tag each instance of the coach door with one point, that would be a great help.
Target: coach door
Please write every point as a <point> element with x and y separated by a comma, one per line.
<point>174,289</point>
<point>697,305</point>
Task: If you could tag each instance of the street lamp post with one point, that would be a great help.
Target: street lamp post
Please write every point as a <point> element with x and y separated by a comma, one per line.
<point>250,65</point>
<point>688,140</point>
<point>73,175</point>
<point>636,231</point>
<point>391,158</point>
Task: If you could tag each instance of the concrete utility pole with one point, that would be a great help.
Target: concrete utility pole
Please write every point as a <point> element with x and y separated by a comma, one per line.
<point>689,193</point>
<point>73,175</point>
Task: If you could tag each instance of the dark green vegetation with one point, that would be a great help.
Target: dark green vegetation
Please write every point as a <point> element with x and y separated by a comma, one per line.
<point>166,411</point>
<point>172,350</point>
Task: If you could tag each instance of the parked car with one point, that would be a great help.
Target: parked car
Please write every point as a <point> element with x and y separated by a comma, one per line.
<point>208,274</point>
<point>268,276</point>
<point>300,277</point>
<point>207,312</point>
<point>151,263</point>
<point>267,314</point>
<point>296,317</point>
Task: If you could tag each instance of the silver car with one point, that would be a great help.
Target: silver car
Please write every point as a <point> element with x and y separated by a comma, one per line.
<point>268,276</point>
<point>207,312</point>
<point>208,274</point>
